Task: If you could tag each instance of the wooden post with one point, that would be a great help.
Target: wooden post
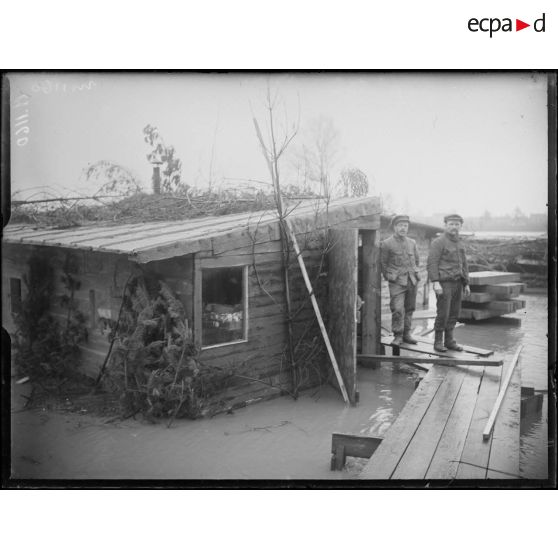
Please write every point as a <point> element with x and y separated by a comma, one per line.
<point>371,293</point>
<point>426,286</point>
<point>198,305</point>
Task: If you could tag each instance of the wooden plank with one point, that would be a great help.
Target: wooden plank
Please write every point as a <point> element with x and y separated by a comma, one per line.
<point>371,223</point>
<point>479,297</point>
<point>506,290</point>
<point>501,394</point>
<point>417,457</point>
<point>478,314</point>
<point>371,292</point>
<point>505,450</point>
<point>446,458</point>
<point>451,361</point>
<point>426,346</point>
<point>492,277</point>
<point>342,278</point>
<point>385,459</point>
<point>500,306</point>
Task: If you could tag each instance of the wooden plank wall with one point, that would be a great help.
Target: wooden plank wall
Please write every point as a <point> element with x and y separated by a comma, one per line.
<point>263,356</point>
<point>102,279</point>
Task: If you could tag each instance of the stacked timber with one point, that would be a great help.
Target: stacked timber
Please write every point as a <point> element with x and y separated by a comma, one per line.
<point>493,293</point>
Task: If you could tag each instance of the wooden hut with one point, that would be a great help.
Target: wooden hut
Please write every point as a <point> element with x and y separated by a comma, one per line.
<point>227,271</point>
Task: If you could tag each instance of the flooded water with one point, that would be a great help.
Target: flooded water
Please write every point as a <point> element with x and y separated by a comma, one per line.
<point>278,439</point>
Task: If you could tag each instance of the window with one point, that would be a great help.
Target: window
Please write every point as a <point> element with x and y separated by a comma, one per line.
<point>224,305</point>
<point>15,295</point>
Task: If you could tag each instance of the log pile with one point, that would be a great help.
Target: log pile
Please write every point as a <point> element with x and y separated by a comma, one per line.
<point>493,294</point>
<point>527,256</point>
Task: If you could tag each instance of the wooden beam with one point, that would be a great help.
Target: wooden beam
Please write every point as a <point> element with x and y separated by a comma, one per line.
<point>363,359</point>
<point>343,445</point>
<point>425,346</point>
<point>318,313</point>
<point>490,423</point>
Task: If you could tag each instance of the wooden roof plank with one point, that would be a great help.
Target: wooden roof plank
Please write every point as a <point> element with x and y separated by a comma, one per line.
<point>138,237</point>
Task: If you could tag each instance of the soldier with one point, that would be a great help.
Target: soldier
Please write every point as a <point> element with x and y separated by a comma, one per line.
<point>449,274</point>
<point>400,261</point>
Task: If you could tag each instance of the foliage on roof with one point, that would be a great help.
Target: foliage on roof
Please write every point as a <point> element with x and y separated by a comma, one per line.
<point>139,208</point>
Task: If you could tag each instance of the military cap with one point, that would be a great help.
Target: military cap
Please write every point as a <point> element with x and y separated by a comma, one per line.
<point>453,217</point>
<point>398,218</point>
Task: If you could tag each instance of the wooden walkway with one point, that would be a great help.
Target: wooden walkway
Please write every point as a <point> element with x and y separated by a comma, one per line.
<point>438,434</point>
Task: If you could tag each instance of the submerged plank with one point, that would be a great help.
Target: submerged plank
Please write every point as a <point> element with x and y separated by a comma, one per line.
<point>445,462</point>
<point>426,346</point>
<point>418,455</point>
<point>476,452</point>
<point>451,361</point>
<point>385,459</point>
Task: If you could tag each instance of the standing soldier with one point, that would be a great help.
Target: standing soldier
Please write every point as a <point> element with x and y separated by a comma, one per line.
<point>400,261</point>
<point>449,274</point>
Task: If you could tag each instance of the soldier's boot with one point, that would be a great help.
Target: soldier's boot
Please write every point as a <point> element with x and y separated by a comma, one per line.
<point>398,339</point>
<point>439,341</point>
<point>450,343</point>
<point>408,338</point>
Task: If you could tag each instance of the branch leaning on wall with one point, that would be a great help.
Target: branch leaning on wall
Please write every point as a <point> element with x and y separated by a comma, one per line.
<point>288,240</point>
<point>272,155</point>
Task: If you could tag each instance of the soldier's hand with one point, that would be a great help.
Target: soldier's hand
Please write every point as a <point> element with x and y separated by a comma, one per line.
<point>437,287</point>
<point>467,290</point>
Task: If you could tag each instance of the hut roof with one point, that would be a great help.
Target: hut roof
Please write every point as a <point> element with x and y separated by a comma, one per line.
<point>150,241</point>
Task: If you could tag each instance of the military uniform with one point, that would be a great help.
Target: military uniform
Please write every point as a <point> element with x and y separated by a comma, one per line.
<point>447,264</point>
<point>400,261</point>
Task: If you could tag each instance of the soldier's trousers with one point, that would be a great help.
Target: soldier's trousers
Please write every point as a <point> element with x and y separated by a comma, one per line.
<point>402,305</point>
<point>448,305</point>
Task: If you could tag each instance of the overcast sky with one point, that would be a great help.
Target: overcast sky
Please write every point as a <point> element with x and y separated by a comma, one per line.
<point>434,142</point>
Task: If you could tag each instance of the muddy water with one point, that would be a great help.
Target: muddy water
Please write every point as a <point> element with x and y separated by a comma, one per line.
<point>279,439</point>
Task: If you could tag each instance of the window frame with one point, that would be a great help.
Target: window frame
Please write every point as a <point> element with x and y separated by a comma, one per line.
<point>208,264</point>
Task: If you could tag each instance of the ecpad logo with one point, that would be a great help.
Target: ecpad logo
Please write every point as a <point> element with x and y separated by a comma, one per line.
<point>494,24</point>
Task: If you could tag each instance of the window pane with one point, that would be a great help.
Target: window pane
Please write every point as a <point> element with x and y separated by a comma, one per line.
<point>223,304</point>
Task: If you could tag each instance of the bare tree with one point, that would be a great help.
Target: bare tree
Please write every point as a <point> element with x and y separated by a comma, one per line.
<point>272,149</point>
<point>164,156</point>
<point>353,182</point>
<point>113,179</point>
<point>317,156</point>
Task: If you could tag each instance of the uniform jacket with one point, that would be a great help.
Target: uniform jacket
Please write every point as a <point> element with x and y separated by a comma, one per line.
<point>399,259</point>
<point>447,260</point>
